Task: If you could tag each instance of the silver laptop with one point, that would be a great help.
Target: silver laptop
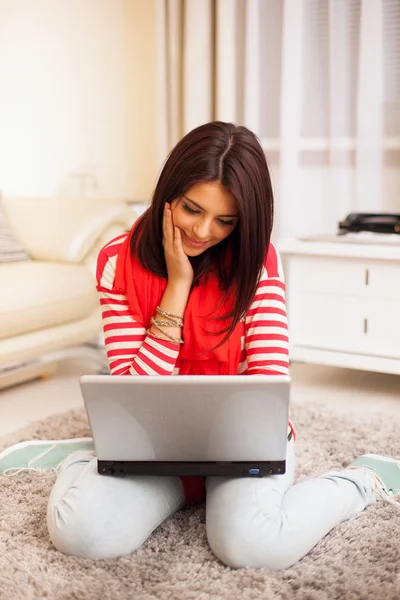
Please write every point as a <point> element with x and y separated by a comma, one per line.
<point>188,425</point>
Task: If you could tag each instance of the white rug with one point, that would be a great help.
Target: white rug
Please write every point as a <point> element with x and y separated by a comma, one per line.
<point>358,560</point>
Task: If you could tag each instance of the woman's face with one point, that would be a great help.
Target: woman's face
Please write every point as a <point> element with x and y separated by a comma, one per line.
<point>205,215</point>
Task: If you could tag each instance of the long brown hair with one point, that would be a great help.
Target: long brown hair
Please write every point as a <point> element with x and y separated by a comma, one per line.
<point>231,155</point>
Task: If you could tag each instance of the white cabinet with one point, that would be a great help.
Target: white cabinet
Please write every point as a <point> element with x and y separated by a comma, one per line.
<point>344,303</point>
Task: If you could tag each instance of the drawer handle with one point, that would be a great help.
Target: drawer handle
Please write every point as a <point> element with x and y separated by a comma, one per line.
<point>365,326</point>
<point>366,276</point>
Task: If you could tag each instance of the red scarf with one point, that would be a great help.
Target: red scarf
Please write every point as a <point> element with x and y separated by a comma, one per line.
<point>145,290</point>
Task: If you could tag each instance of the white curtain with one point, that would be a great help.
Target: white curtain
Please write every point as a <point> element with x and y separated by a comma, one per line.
<point>317,80</point>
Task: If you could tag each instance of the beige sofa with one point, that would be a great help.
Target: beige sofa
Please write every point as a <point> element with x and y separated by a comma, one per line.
<point>48,305</point>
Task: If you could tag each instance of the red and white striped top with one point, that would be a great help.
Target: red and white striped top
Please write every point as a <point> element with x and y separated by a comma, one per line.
<point>130,351</point>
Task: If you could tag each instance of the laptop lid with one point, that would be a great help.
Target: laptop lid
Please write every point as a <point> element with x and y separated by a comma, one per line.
<point>188,419</point>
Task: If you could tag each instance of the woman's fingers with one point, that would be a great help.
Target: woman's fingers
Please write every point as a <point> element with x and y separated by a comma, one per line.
<point>178,247</point>
<point>168,231</point>
<point>178,265</point>
<point>164,226</point>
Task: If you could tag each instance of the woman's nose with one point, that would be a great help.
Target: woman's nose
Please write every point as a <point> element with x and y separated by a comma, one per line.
<point>202,229</point>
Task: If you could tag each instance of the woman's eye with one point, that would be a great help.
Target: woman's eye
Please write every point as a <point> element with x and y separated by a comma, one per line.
<point>189,210</point>
<point>193,211</point>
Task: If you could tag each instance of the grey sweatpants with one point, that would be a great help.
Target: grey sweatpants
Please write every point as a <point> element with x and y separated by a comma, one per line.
<point>267,522</point>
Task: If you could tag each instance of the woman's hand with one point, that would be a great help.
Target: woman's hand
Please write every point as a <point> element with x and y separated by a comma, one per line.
<point>178,264</point>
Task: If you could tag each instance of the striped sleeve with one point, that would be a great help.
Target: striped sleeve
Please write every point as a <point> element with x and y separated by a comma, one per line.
<point>130,351</point>
<point>266,328</point>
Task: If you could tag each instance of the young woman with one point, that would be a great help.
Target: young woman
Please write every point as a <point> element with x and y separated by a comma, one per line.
<point>197,287</point>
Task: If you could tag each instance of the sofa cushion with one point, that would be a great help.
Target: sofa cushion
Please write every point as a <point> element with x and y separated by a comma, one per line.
<point>35,344</point>
<point>36,295</point>
<point>65,229</point>
<point>10,249</point>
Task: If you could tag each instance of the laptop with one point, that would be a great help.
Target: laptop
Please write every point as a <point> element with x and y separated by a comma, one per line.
<point>186,425</point>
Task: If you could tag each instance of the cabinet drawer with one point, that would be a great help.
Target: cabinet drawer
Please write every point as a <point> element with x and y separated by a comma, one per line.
<point>368,326</point>
<point>326,275</point>
<point>326,321</point>
<point>382,327</point>
<point>344,276</point>
<point>382,280</point>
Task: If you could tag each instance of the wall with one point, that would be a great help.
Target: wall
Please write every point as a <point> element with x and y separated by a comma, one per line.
<point>77,97</point>
<point>141,97</point>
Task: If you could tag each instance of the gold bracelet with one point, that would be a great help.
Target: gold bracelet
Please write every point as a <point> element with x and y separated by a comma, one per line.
<point>167,335</point>
<point>158,337</point>
<point>164,313</point>
<point>166,323</point>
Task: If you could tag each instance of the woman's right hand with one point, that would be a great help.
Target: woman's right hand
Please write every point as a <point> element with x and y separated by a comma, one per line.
<point>179,269</point>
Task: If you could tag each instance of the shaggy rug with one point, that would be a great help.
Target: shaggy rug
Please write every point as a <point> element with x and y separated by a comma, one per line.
<point>359,559</point>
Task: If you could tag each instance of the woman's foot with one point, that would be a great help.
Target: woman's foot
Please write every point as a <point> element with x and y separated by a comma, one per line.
<point>385,472</point>
<point>40,455</point>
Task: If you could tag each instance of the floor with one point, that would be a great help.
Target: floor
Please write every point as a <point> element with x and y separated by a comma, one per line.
<point>349,390</point>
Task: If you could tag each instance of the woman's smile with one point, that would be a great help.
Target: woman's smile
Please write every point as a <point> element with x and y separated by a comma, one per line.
<point>191,242</point>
